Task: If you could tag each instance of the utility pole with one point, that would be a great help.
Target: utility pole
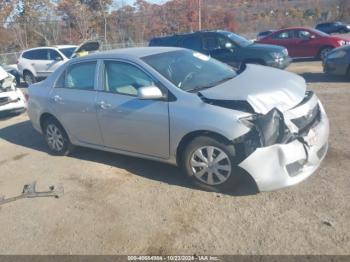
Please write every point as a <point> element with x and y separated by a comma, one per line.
<point>199,15</point>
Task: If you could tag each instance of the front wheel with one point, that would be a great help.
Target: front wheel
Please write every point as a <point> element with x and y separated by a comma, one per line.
<point>211,164</point>
<point>56,138</point>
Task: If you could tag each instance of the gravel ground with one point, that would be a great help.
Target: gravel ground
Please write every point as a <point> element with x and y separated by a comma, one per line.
<point>122,205</point>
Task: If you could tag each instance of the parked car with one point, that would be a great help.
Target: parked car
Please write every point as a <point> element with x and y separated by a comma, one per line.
<point>333,27</point>
<point>184,108</point>
<point>263,34</point>
<point>228,47</point>
<point>12,99</point>
<point>337,62</point>
<point>37,63</point>
<point>13,70</point>
<point>305,42</point>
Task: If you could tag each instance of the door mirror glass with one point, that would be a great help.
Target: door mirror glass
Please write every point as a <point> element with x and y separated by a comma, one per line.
<point>228,45</point>
<point>149,93</point>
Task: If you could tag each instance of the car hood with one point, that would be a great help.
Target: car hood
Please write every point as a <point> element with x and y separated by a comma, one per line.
<point>264,88</point>
<point>265,47</point>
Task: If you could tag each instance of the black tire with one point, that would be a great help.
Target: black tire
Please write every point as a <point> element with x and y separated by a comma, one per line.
<point>56,138</point>
<point>200,143</point>
<point>324,51</point>
<point>28,78</point>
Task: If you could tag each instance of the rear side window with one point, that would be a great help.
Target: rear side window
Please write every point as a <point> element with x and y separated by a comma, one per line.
<point>81,76</point>
<point>193,42</point>
<point>38,54</point>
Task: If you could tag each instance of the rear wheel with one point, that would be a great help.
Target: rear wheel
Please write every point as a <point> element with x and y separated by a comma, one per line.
<point>28,78</point>
<point>56,138</point>
<point>211,164</point>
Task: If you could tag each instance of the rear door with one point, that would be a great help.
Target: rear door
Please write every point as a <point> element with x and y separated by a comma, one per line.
<point>40,62</point>
<point>215,45</point>
<point>283,38</point>
<point>73,102</point>
<point>54,60</point>
<point>128,123</point>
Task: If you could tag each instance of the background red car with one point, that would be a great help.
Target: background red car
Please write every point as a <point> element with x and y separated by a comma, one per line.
<point>304,42</point>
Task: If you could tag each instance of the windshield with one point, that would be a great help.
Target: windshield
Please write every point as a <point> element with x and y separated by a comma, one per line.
<point>190,71</point>
<point>68,51</point>
<point>319,32</point>
<point>239,40</point>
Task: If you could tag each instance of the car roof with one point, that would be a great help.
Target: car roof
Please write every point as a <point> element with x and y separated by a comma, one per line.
<point>134,52</point>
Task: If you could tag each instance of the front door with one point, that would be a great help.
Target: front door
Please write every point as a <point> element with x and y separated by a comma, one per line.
<point>54,61</point>
<point>73,102</point>
<point>221,49</point>
<point>128,123</point>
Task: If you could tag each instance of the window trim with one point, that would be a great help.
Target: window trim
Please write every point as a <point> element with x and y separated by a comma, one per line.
<point>65,71</point>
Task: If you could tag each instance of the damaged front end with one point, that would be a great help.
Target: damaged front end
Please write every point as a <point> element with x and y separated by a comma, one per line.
<point>282,149</point>
<point>12,99</point>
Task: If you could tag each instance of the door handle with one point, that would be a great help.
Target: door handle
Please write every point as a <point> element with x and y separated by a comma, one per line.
<point>104,105</point>
<point>57,98</point>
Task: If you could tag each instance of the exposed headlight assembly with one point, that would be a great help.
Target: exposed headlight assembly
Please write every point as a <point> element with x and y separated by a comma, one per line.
<point>276,55</point>
<point>336,54</point>
<point>268,129</point>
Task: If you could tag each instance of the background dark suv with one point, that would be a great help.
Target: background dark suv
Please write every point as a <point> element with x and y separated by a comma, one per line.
<point>333,27</point>
<point>228,48</point>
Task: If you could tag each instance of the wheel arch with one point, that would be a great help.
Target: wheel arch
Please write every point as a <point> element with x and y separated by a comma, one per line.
<point>45,116</point>
<point>190,136</point>
<point>324,47</point>
<point>26,70</point>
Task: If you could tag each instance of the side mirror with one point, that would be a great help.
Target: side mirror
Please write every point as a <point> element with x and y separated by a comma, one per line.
<point>58,58</point>
<point>149,93</point>
<point>228,45</point>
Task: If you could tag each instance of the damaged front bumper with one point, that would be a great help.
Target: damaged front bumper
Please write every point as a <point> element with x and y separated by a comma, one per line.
<point>285,164</point>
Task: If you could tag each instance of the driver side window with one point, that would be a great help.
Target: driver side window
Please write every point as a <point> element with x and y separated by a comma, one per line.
<point>301,34</point>
<point>123,78</point>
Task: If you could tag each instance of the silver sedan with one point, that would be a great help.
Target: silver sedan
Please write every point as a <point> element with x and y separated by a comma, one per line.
<point>184,108</point>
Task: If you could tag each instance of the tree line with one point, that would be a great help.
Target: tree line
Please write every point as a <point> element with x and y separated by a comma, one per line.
<point>30,23</point>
